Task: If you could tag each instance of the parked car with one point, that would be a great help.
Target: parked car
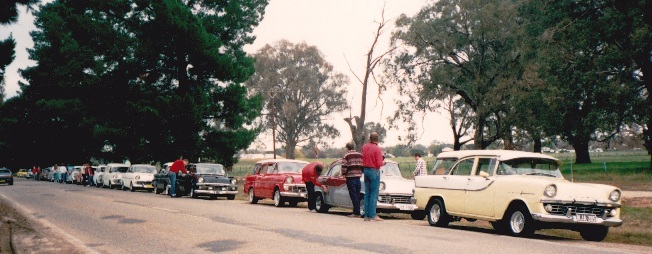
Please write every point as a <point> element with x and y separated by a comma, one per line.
<point>183,184</point>
<point>139,176</point>
<point>278,179</point>
<point>52,174</point>
<point>211,181</point>
<point>518,193</point>
<point>395,193</point>
<point>6,176</point>
<point>112,177</point>
<point>22,173</point>
<point>97,175</point>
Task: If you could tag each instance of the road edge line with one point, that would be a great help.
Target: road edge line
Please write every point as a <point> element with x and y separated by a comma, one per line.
<point>46,224</point>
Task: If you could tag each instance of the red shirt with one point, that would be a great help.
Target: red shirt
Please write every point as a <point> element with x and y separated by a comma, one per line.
<point>308,174</point>
<point>177,166</point>
<point>372,156</point>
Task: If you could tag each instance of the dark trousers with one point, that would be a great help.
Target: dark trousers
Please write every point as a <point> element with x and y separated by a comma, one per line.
<point>310,187</point>
<point>354,186</point>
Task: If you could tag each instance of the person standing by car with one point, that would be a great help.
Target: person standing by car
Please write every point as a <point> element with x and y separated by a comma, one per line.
<point>88,173</point>
<point>352,170</point>
<point>55,169</point>
<point>420,169</point>
<point>372,160</point>
<point>176,167</point>
<point>309,175</point>
<point>63,173</point>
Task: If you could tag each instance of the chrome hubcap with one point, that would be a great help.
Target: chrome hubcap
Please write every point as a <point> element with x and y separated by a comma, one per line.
<point>435,212</point>
<point>517,222</point>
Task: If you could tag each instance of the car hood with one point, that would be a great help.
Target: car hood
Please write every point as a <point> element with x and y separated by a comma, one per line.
<point>144,176</point>
<point>567,190</point>
<point>395,185</point>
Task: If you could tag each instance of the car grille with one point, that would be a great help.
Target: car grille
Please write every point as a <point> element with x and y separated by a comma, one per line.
<point>389,199</point>
<point>563,209</point>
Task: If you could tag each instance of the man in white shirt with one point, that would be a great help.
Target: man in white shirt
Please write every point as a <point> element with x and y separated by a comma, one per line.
<point>63,172</point>
<point>420,169</point>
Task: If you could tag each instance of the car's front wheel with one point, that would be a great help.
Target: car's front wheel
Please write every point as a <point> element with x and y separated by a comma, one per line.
<point>156,189</point>
<point>519,222</point>
<point>594,233</point>
<point>437,215</point>
<point>131,187</point>
<point>320,205</point>
<point>278,199</point>
<point>252,198</point>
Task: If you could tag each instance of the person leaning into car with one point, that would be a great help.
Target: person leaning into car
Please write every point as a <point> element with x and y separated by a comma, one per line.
<point>372,160</point>
<point>352,170</point>
<point>176,167</point>
<point>309,175</point>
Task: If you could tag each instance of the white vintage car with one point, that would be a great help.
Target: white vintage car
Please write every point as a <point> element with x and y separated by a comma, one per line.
<point>139,176</point>
<point>395,193</point>
<point>97,175</point>
<point>518,192</point>
<point>112,176</point>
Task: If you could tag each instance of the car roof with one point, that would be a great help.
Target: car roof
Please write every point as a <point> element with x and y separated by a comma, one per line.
<point>117,165</point>
<point>142,165</point>
<point>503,155</point>
<point>281,160</point>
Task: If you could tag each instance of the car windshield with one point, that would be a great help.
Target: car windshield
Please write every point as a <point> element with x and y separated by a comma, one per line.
<point>214,169</point>
<point>5,171</point>
<point>119,169</point>
<point>390,169</point>
<point>290,167</point>
<point>144,169</point>
<point>529,166</point>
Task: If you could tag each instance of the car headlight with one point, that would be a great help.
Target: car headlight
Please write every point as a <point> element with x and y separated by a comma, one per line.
<point>115,176</point>
<point>289,179</point>
<point>614,195</point>
<point>550,191</point>
<point>233,181</point>
<point>200,180</point>
<point>137,177</point>
<point>382,186</point>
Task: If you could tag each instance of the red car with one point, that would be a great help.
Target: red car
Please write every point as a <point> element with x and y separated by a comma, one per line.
<point>278,179</point>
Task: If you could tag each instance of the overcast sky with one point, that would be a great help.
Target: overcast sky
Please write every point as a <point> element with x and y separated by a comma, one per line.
<point>341,30</point>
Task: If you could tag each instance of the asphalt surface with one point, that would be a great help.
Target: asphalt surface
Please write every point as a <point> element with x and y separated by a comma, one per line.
<point>113,221</point>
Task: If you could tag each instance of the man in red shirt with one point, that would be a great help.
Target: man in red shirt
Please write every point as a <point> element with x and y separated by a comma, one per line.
<point>309,176</point>
<point>176,167</point>
<point>372,160</point>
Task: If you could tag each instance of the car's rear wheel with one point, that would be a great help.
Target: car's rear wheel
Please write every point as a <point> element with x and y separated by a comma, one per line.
<point>278,199</point>
<point>252,197</point>
<point>594,233</point>
<point>320,206</point>
<point>519,222</point>
<point>131,187</point>
<point>437,215</point>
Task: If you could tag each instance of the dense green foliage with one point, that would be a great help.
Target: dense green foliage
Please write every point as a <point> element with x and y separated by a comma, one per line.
<point>139,80</point>
<point>8,15</point>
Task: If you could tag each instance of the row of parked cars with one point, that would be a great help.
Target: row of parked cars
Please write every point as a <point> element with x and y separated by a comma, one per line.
<point>517,192</point>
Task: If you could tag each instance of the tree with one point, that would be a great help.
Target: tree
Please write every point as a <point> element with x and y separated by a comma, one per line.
<point>149,80</point>
<point>300,89</point>
<point>586,67</point>
<point>466,48</point>
<point>356,122</point>
<point>9,15</point>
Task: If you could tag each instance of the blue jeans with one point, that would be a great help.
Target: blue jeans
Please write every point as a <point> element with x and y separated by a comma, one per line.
<point>353,184</point>
<point>173,181</point>
<point>64,177</point>
<point>371,185</point>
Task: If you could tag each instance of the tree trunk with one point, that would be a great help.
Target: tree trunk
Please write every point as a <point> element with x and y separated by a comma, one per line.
<point>582,152</point>
<point>537,145</point>
<point>290,147</point>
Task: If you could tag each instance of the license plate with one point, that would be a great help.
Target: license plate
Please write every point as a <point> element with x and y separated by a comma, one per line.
<point>405,207</point>
<point>149,186</point>
<point>585,217</point>
<point>2,181</point>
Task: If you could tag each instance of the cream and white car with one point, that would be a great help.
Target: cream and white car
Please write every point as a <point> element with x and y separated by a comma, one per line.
<point>139,176</point>
<point>112,176</point>
<point>517,192</point>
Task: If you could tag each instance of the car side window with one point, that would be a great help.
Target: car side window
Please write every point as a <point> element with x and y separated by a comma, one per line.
<point>464,167</point>
<point>336,170</point>
<point>262,169</point>
<point>486,165</point>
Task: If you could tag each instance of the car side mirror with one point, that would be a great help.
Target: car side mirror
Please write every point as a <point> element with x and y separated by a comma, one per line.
<point>484,174</point>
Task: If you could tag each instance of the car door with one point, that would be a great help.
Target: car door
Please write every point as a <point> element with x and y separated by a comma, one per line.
<point>250,179</point>
<point>479,193</point>
<point>455,185</point>
<point>337,190</point>
<point>261,188</point>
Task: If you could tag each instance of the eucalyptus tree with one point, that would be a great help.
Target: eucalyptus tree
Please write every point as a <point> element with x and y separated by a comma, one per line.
<point>584,50</point>
<point>145,80</point>
<point>300,89</point>
<point>466,48</point>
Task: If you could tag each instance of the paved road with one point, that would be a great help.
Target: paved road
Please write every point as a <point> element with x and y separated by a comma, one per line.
<point>113,221</point>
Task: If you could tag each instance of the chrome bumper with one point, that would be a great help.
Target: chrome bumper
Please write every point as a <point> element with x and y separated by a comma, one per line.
<point>216,189</point>
<point>402,207</point>
<point>609,222</point>
<point>295,190</point>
